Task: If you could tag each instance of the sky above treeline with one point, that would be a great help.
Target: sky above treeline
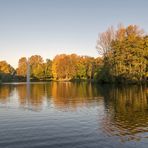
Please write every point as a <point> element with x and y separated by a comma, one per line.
<point>51,27</point>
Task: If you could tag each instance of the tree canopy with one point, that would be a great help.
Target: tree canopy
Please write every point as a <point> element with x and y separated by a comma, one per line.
<point>125,56</point>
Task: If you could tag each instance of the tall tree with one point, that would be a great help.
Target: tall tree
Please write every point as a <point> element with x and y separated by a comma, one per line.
<point>126,55</point>
<point>48,69</point>
<point>104,41</point>
<point>37,66</point>
<point>22,67</point>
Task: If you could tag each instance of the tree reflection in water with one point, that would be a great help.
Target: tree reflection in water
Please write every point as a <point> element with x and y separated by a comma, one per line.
<point>126,112</point>
<point>126,107</point>
<point>63,95</point>
<point>5,93</point>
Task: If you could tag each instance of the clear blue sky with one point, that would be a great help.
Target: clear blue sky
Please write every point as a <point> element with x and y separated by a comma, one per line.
<point>50,27</point>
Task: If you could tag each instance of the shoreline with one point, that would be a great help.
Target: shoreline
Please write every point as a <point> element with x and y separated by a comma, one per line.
<point>78,81</point>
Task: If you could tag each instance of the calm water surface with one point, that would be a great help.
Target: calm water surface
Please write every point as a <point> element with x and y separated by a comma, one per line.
<point>73,115</point>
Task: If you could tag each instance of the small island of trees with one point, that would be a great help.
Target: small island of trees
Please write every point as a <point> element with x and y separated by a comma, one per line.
<point>122,58</point>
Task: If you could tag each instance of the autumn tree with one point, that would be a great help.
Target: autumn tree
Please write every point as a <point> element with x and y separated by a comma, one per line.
<point>64,67</point>
<point>104,43</point>
<point>22,67</point>
<point>126,55</point>
<point>37,66</point>
<point>6,71</point>
<point>48,69</point>
<point>85,67</point>
<point>6,68</point>
<point>105,40</point>
<point>81,68</point>
<point>72,66</point>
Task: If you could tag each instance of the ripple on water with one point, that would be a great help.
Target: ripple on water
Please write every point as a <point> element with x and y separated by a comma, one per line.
<point>83,115</point>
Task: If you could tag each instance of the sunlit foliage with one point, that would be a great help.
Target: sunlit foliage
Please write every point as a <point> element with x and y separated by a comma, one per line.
<point>22,66</point>
<point>6,71</point>
<point>125,54</point>
<point>68,67</point>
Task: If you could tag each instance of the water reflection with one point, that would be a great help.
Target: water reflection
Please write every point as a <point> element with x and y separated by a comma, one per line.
<point>125,109</point>
<point>125,100</point>
<point>126,112</point>
<point>5,93</point>
<point>72,95</point>
<point>61,95</point>
<point>31,96</point>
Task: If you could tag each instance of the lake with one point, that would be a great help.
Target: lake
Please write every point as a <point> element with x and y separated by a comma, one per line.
<point>73,115</point>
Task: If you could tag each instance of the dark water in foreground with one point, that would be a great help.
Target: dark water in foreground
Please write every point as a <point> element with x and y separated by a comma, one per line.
<point>73,115</point>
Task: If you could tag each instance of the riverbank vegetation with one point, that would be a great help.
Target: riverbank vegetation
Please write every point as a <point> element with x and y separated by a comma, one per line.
<point>62,67</point>
<point>125,54</point>
<point>122,58</point>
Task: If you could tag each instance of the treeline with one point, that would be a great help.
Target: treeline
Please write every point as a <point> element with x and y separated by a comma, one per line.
<point>124,59</point>
<point>62,67</point>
